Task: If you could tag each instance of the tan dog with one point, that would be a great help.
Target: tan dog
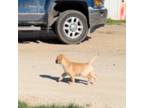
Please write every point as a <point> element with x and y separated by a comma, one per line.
<point>74,69</point>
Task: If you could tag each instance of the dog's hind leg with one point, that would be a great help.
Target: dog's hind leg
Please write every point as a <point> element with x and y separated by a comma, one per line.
<point>89,81</point>
<point>91,78</point>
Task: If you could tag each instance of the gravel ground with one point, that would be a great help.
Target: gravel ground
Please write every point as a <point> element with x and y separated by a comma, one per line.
<point>38,71</point>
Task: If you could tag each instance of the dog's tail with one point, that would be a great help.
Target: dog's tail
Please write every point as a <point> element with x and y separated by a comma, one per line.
<point>92,60</point>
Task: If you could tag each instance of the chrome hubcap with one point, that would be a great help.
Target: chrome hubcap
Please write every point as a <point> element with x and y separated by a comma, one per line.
<point>73,27</point>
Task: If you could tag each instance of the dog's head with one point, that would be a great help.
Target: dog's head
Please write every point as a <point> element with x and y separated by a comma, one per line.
<point>59,59</point>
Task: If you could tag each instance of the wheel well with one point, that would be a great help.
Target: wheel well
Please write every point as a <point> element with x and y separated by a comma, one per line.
<point>74,5</point>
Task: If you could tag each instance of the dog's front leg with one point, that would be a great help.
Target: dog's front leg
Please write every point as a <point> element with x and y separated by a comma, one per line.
<point>61,77</point>
<point>72,79</point>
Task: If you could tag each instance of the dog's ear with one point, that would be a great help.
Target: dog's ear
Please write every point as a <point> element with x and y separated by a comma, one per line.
<point>60,57</point>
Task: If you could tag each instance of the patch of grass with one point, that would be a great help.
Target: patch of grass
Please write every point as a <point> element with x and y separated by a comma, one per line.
<point>115,22</point>
<point>24,105</point>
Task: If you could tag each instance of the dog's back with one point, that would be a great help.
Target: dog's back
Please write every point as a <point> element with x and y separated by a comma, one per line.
<point>79,68</point>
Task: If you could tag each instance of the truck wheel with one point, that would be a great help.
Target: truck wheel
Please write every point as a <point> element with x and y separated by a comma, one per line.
<point>72,27</point>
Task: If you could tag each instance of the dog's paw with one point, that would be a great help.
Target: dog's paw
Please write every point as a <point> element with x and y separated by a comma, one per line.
<point>58,80</point>
<point>70,83</point>
<point>90,83</point>
<point>93,83</point>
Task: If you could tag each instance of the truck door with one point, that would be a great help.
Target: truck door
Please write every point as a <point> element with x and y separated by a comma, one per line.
<point>20,6</point>
<point>20,9</point>
<point>33,10</point>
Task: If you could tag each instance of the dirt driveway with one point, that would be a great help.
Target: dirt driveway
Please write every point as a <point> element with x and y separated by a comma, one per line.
<point>38,71</point>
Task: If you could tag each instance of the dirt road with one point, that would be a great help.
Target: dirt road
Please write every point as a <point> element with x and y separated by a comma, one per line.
<point>38,71</point>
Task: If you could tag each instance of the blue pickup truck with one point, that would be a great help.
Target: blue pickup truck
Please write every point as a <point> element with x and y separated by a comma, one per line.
<point>70,19</point>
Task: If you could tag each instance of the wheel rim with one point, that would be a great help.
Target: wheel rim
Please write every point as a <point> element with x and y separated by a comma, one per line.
<point>73,27</point>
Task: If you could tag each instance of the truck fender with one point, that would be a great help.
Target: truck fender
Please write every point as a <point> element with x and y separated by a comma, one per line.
<point>53,14</point>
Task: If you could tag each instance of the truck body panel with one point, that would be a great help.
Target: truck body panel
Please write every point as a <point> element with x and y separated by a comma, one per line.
<point>43,12</point>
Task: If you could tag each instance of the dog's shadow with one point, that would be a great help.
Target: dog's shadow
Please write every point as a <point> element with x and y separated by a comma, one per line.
<point>65,80</point>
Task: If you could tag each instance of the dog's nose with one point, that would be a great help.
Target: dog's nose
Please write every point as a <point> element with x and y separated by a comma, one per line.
<point>56,61</point>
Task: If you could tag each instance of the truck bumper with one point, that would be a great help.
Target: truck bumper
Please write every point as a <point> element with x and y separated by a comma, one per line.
<point>97,18</point>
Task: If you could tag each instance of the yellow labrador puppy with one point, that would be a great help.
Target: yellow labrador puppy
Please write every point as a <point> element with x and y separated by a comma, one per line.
<point>74,69</point>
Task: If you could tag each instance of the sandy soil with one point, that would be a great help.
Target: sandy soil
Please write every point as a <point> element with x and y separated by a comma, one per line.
<point>38,71</point>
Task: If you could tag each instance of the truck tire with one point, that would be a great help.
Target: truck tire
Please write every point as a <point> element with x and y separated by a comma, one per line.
<point>72,27</point>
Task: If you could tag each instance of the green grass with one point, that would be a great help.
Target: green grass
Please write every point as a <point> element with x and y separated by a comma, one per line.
<point>115,22</point>
<point>24,105</point>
